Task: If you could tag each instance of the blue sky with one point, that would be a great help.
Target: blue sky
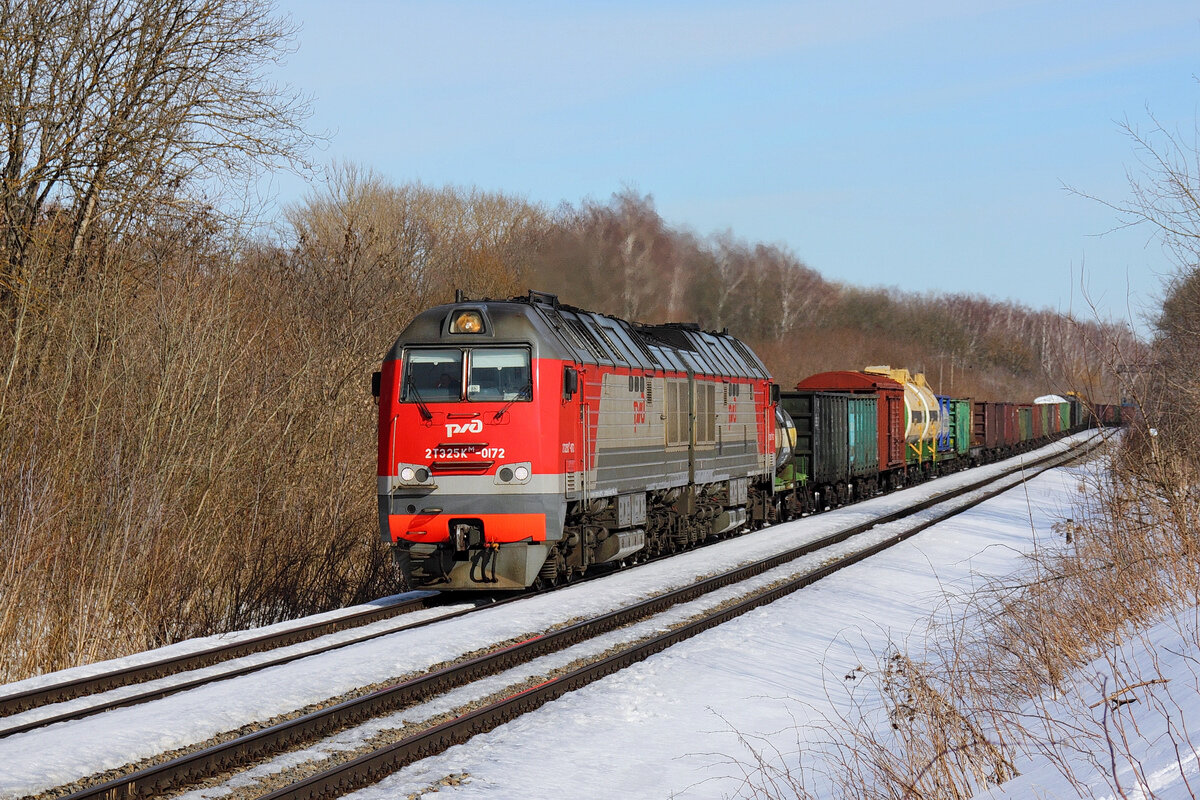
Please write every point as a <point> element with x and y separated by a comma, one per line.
<point>924,146</point>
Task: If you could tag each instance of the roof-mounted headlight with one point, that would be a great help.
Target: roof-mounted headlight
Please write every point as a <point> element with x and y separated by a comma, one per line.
<point>466,322</point>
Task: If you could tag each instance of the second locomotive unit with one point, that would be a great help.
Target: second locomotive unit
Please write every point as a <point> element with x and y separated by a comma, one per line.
<point>523,441</point>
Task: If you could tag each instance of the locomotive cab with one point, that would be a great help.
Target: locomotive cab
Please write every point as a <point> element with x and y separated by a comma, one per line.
<point>462,461</point>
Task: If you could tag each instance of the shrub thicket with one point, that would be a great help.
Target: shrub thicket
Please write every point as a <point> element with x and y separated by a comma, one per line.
<point>189,432</point>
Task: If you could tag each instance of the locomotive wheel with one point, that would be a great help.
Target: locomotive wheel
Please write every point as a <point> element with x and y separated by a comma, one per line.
<point>548,576</point>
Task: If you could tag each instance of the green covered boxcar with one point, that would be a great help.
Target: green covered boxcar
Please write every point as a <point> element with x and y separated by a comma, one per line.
<point>960,425</point>
<point>863,447</point>
<point>836,443</point>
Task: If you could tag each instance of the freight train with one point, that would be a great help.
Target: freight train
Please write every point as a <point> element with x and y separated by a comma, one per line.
<point>522,442</point>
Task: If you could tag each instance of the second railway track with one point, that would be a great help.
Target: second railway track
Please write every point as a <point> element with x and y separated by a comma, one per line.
<point>299,731</point>
<point>60,691</point>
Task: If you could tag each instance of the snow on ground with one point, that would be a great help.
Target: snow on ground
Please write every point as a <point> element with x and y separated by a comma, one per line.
<point>1141,749</point>
<point>644,732</point>
<point>225,667</point>
<point>196,645</point>
<point>670,726</point>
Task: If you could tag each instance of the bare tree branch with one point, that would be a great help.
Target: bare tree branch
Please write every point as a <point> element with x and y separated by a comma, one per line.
<point>110,106</point>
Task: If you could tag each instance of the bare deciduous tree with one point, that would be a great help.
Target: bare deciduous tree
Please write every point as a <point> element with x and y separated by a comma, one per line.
<point>107,105</point>
<point>1165,198</point>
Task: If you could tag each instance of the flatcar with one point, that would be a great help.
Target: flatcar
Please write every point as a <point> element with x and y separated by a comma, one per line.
<point>522,442</point>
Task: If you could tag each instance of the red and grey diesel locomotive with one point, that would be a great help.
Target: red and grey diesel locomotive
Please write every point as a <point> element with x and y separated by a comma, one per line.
<point>522,441</point>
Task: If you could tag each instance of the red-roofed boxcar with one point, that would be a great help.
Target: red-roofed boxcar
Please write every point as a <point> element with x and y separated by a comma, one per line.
<point>890,426</point>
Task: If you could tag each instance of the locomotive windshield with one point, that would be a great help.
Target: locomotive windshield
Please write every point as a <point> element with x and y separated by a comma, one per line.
<point>492,374</point>
<point>499,374</point>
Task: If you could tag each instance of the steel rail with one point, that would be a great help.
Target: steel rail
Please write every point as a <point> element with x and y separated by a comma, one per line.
<point>289,734</point>
<point>69,690</point>
<point>79,687</point>
<point>372,767</point>
<point>91,685</point>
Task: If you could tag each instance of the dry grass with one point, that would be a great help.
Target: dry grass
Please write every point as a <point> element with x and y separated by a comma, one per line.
<point>188,432</point>
<point>1002,678</point>
<point>999,674</point>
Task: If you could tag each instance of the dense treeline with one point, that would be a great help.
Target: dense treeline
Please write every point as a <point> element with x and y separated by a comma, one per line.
<point>623,259</point>
<point>186,433</point>
<point>1172,392</point>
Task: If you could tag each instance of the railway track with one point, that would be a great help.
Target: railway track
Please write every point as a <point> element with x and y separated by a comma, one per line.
<point>257,746</point>
<point>150,672</point>
<point>63,691</point>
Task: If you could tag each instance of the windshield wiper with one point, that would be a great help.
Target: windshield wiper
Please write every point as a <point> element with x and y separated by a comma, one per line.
<point>425,412</point>
<point>526,390</point>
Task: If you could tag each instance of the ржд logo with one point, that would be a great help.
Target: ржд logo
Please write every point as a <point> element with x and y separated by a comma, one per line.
<point>474,426</point>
